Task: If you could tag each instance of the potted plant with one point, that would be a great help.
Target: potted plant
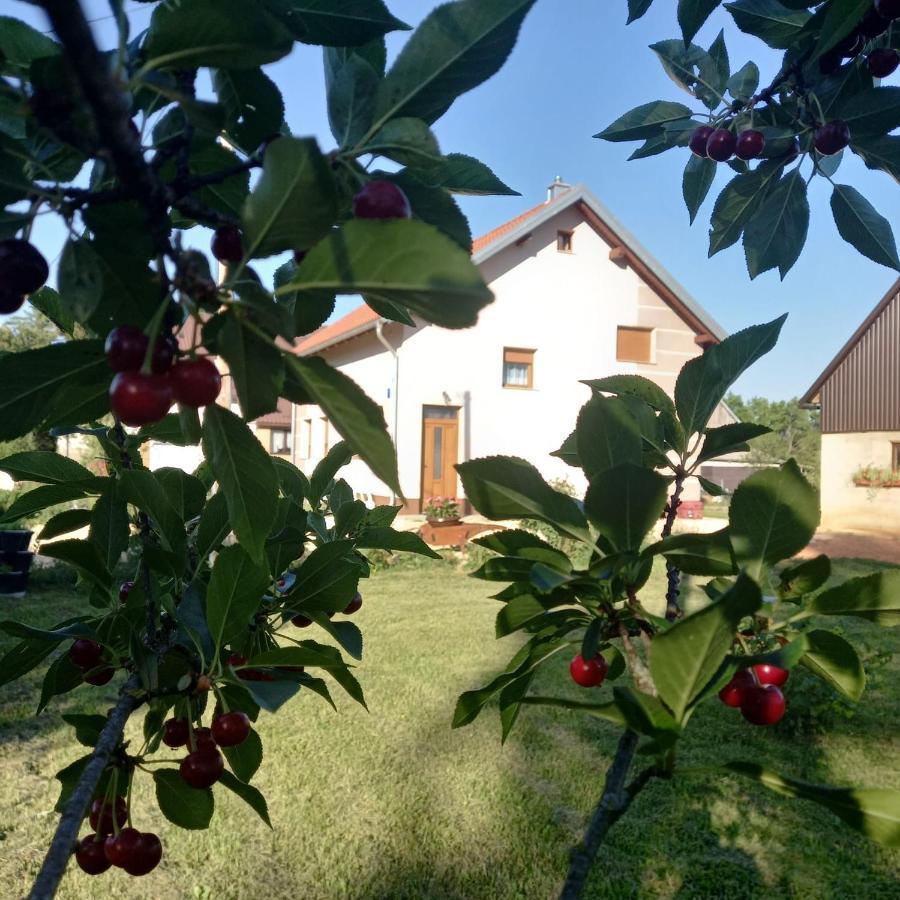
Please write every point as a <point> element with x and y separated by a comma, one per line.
<point>15,560</point>
<point>872,476</point>
<point>442,511</point>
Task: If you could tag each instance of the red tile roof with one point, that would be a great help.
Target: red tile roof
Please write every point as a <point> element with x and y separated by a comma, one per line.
<point>280,418</point>
<point>365,315</point>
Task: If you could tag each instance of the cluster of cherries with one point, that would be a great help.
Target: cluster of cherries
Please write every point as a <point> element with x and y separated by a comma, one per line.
<point>757,693</point>
<point>87,655</point>
<point>882,61</point>
<point>111,844</point>
<point>23,270</point>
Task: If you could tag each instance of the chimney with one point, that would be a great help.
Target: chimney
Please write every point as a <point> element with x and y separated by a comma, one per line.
<point>557,187</point>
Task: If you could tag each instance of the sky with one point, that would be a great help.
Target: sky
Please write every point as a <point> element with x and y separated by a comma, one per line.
<point>576,68</point>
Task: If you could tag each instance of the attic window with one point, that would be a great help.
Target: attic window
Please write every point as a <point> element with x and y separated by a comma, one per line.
<point>634,344</point>
<point>564,241</point>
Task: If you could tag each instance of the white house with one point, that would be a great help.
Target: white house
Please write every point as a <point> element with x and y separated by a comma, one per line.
<point>576,297</point>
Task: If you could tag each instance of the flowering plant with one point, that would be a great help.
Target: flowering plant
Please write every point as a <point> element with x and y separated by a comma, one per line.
<point>441,508</point>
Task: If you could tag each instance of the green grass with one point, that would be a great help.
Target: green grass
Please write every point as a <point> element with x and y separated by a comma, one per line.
<point>394,804</point>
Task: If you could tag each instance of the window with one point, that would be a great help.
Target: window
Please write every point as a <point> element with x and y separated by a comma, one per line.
<point>518,368</point>
<point>325,436</point>
<point>895,456</point>
<point>280,440</point>
<point>634,344</point>
<point>306,438</point>
<point>564,241</point>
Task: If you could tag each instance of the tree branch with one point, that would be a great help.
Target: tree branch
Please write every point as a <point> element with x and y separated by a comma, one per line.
<point>64,840</point>
<point>673,574</point>
<point>616,798</point>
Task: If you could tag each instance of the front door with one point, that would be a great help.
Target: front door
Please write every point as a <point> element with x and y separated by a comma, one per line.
<point>440,433</point>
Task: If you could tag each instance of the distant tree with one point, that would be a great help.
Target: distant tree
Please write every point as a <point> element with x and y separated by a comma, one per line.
<point>795,431</point>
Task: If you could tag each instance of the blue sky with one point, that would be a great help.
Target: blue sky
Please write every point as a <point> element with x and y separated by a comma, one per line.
<point>576,68</point>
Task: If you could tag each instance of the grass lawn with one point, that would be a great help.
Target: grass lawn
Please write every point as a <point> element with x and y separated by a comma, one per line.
<point>393,804</point>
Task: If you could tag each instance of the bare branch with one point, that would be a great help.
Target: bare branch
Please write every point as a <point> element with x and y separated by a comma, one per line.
<point>673,574</point>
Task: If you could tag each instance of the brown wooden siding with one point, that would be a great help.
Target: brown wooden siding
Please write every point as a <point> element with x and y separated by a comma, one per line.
<point>863,392</point>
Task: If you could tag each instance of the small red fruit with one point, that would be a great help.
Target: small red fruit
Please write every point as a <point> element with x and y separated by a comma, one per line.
<point>176,733</point>
<point>237,659</point>
<point>883,62</point>
<point>762,704</point>
<point>145,856</point>
<point>588,672</point>
<point>227,245</point>
<point>22,267</point>
<point>99,676</point>
<point>120,848</point>
<point>102,812</point>
<point>750,144</point>
<point>721,145</point>
<point>255,675</point>
<point>91,856</point>
<point>766,674</point>
<point>10,301</point>
<point>196,382</point>
<point>85,653</point>
<point>138,399</point>
<point>354,605</point>
<point>231,729</point>
<point>731,694</point>
<point>202,768</point>
<point>204,685</point>
<point>301,621</point>
<point>381,199</point>
<point>699,138</point>
<point>832,137</point>
<point>124,590</point>
<point>126,347</point>
<point>203,739</point>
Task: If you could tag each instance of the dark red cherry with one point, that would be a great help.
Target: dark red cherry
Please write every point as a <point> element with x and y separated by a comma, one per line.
<point>721,145</point>
<point>99,676</point>
<point>138,399</point>
<point>103,811</point>
<point>731,694</point>
<point>202,768</point>
<point>176,732</point>
<point>23,269</point>
<point>762,704</point>
<point>767,674</point>
<point>750,144</point>
<point>203,739</point>
<point>832,137</point>
<point>85,653</point>
<point>301,621</point>
<point>354,605</point>
<point>91,856</point>
<point>699,138</point>
<point>10,301</point>
<point>231,729</point>
<point>236,659</point>
<point>227,245</point>
<point>888,9</point>
<point>124,590</point>
<point>883,62</point>
<point>196,382</point>
<point>120,848</point>
<point>145,855</point>
<point>381,199</point>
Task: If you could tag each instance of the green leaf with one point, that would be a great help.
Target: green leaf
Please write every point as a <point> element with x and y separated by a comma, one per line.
<point>80,277</point>
<point>461,174</point>
<point>87,727</point>
<point>698,554</point>
<point>109,526</point>
<point>436,207</point>
<point>255,366</point>
<point>834,660</point>
<point>686,656</point>
<point>245,475</point>
<point>44,467</point>
<point>407,141</point>
<point>841,17</point>
<point>402,261</point>
<point>82,556</point>
<point>698,178</point>
<point>35,379</point>
<point>738,202</point>
<point>72,628</point>
<point>804,577</point>
<point>246,792</point>
<point>644,121</point>
<point>637,8</point>
<point>879,153</point>
<point>225,33</point>
<point>25,505</point>
<point>309,309</point>
<point>770,21</point>
<point>873,112</point>
<point>254,108</point>
<point>214,526</point>
<point>340,23</point>
<point>351,84</point>
<point>743,84</point>
<point>65,522</point>
<point>142,489</point>
<point>326,580</point>
<point>357,418</point>
<point>20,45</point>
<point>184,806</point>
<point>608,711</point>
<point>48,301</point>
<point>62,676</point>
<point>524,544</point>
<point>235,590</point>
<point>338,456</point>
<point>775,235</point>
<point>23,657</point>
<point>634,386</point>
<point>607,435</point>
<point>861,225</point>
<point>874,812</point>
<point>246,758</point>
<point>455,48</point>
<point>773,515</point>
<point>703,381</point>
<point>646,715</point>
<point>294,484</point>
<point>692,14</point>
<point>388,539</point>
<point>731,438</point>
<point>294,202</point>
<point>874,597</point>
<point>624,503</point>
<point>506,487</point>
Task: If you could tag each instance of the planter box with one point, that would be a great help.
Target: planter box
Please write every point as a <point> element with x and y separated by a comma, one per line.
<point>865,482</point>
<point>457,535</point>
<point>444,523</point>
<point>14,541</point>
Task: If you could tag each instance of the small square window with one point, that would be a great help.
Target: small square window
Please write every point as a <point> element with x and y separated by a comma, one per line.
<point>634,344</point>
<point>518,368</point>
<point>564,241</point>
<point>280,441</point>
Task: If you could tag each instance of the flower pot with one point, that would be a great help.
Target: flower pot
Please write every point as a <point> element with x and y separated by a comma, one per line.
<point>13,541</point>
<point>444,523</point>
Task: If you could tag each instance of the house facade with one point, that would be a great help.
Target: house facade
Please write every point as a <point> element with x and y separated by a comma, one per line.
<point>859,398</point>
<point>576,297</point>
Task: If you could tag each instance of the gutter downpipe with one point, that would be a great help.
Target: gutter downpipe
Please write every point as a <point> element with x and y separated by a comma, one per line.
<point>379,333</point>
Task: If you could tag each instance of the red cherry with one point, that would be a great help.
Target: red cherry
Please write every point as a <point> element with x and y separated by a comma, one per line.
<point>164,354</point>
<point>883,62</point>
<point>231,729</point>
<point>301,621</point>
<point>124,590</point>
<point>196,382</point>
<point>99,676</point>
<point>10,301</point>
<point>204,685</point>
<point>590,672</point>
<point>832,137</point>
<point>721,145</point>
<point>23,269</point>
<point>203,739</point>
<point>145,855</point>
<point>91,856</point>
<point>138,399</point>
<point>730,695</point>
<point>762,704</point>
<point>176,732</point>
<point>126,347</point>
<point>119,848</point>
<point>85,653</point>
<point>766,674</point>
<point>227,245</point>
<point>750,144</point>
<point>103,811</point>
<point>202,768</point>
<point>354,605</point>
<point>381,199</point>
<point>255,675</point>
<point>236,659</point>
<point>698,140</point>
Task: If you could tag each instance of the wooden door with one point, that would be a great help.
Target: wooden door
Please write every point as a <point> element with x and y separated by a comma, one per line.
<point>440,439</point>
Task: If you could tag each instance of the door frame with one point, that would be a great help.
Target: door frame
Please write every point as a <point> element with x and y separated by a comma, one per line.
<point>455,420</point>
